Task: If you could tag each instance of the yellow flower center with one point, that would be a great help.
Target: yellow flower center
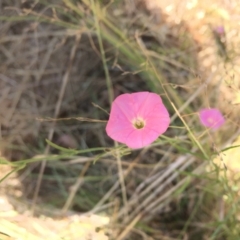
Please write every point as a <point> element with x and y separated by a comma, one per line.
<point>139,123</point>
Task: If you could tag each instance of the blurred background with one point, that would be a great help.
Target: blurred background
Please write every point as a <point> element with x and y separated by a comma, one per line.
<point>62,62</point>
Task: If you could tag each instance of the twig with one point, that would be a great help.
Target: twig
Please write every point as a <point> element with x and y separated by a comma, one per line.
<point>116,184</point>
<point>95,8</point>
<point>57,109</point>
<point>129,227</point>
<point>75,188</point>
<point>121,180</point>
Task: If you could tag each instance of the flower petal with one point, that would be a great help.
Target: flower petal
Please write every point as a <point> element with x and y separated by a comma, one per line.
<point>151,105</point>
<point>122,107</point>
<point>118,129</point>
<point>158,124</point>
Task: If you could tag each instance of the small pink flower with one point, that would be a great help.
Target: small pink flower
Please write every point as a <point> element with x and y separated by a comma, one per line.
<point>211,118</point>
<point>137,119</point>
<point>220,30</point>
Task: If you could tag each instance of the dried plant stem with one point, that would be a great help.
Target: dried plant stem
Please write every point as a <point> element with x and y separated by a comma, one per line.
<point>194,139</point>
<point>75,188</point>
<point>116,185</point>
<point>146,196</point>
<point>108,80</point>
<point>57,109</point>
<point>16,98</point>
<point>121,180</point>
<point>95,8</point>
<point>129,227</point>
<point>46,59</point>
<point>193,96</point>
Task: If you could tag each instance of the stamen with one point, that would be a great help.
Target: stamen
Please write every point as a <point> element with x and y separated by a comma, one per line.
<point>139,123</point>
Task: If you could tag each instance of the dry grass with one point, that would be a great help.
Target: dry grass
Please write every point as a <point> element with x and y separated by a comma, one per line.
<point>58,74</point>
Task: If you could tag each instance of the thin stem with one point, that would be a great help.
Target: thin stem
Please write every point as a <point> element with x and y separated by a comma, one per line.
<point>110,94</point>
<point>108,80</point>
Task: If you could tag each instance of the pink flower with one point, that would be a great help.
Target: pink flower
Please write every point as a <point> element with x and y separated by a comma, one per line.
<point>211,118</point>
<point>220,30</point>
<point>137,119</point>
